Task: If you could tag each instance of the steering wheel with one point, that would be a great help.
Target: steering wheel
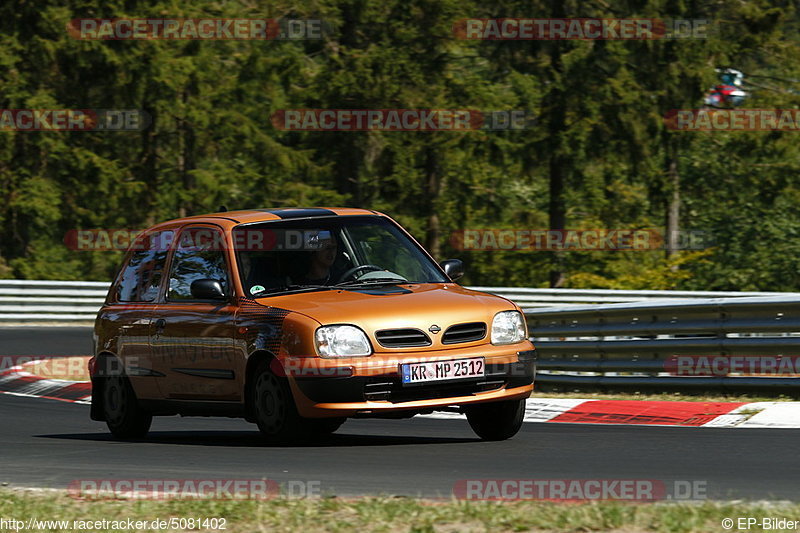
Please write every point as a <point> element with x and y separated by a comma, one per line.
<point>350,271</point>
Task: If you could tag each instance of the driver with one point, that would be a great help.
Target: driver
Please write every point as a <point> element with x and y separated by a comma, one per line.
<point>322,259</point>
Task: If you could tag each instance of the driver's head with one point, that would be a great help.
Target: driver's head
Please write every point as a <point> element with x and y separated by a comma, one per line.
<point>326,249</point>
<point>327,255</point>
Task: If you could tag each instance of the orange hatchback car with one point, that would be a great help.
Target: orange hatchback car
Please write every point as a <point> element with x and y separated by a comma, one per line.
<point>297,319</point>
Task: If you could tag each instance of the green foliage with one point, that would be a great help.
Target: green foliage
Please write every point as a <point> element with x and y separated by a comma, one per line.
<point>599,133</point>
<point>645,271</point>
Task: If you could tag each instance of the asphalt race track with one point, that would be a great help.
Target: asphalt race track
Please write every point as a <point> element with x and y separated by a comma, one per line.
<point>31,340</point>
<point>46,443</point>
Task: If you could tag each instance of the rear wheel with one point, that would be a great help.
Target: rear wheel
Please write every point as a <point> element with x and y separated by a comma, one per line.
<point>274,409</point>
<point>496,420</point>
<point>124,418</point>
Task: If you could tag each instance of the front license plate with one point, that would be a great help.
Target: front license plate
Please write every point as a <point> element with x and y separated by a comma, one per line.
<point>473,367</point>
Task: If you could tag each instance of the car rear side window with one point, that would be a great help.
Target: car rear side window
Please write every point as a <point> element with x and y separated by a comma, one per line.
<point>199,255</point>
<point>141,277</point>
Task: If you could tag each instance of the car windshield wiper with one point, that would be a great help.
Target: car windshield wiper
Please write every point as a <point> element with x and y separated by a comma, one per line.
<point>292,288</point>
<point>371,281</point>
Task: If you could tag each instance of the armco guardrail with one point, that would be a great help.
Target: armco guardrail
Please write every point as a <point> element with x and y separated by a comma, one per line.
<point>530,299</point>
<point>50,301</point>
<point>638,344</point>
<point>66,301</point>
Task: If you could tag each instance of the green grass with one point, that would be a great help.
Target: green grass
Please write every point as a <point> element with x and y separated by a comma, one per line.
<point>398,514</point>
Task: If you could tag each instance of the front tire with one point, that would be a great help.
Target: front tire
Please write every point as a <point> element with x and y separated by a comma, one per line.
<point>124,418</point>
<point>496,420</point>
<point>273,407</point>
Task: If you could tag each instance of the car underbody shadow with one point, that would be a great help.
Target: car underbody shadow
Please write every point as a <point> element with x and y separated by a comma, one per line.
<point>253,439</point>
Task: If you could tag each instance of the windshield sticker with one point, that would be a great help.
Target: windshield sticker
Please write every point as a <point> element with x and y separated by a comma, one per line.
<point>257,288</point>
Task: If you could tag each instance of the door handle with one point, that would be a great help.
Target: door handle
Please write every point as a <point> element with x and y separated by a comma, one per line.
<point>160,325</point>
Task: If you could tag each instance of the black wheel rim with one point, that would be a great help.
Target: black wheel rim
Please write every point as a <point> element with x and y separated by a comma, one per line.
<point>270,403</point>
<point>115,400</point>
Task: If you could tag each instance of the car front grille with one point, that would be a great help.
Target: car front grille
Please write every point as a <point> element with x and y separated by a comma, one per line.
<point>402,338</point>
<point>472,331</point>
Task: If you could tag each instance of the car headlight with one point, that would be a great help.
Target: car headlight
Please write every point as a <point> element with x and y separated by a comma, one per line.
<point>342,341</point>
<point>508,327</point>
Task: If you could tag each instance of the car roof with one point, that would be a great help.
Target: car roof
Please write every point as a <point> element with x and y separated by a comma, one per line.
<point>246,216</point>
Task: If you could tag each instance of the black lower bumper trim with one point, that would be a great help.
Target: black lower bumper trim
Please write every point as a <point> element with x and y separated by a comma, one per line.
<point>356,389</point>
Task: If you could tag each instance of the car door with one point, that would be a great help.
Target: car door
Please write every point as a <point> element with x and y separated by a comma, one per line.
<point>132,305</point>
<point>193,339</point>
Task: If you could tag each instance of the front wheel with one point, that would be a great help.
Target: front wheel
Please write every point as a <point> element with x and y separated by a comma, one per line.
<point>496,420</point>
<point>274,409</point>
<point>124,418</point>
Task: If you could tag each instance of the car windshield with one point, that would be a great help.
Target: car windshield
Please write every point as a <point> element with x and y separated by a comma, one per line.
<point>315,254</point>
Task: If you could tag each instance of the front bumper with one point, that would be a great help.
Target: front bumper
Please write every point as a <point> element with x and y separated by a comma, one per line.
<point>507,377</point>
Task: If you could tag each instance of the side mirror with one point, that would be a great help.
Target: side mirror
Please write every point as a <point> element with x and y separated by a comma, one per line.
<point>207,289</point>
<point>454,268</point>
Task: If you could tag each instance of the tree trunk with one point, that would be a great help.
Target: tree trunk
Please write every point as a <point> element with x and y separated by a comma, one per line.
<point>186,159</point>
<point>672,239</point>
<point>557,216</point>
<point>557,167</point>
<point>433,189</point>
<point>149,159</point>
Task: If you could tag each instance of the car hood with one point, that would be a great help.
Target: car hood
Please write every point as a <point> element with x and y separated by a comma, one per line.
<point>418,306</point>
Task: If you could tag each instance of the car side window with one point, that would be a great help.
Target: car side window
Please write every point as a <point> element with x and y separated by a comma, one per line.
<point>199,255</point>
<point>140,278</point>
